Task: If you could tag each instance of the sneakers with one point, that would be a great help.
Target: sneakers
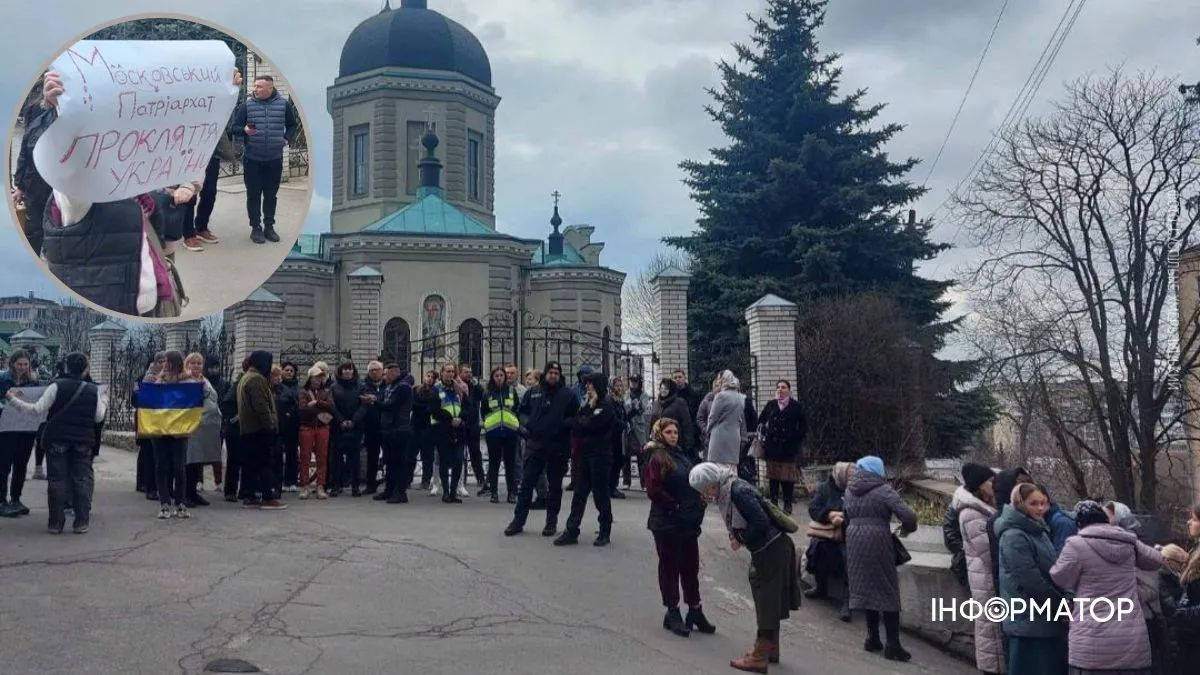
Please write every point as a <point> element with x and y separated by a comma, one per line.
<point>251,503</point>
<point>270,234</point>
<point>80,529</point>
<point>567,538</point>
<point>256,235</point>
<point>290,488</point>
<point>20,508</point>
<point>207,237</point>
<point>163,513</point>
<point>182,512</point>
<point>436,490</point>
<point>321,493</point>
<point>39,473</point>
<point>193,244</point>
<point>303,493</point>
<point>549,530</point>
<point>272,505</point>
<point>462,491</point>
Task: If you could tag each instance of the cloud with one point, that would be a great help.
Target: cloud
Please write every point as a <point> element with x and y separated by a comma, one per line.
<point>601,100</point>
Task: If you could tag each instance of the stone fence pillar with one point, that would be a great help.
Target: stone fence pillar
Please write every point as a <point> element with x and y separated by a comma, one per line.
<point>180,336</point>
<point>366,289</point>
<point>28,339</point>
<point>103,339</point>
<point>670,289</point>
<point>257,324</point>
<point>772,323</point>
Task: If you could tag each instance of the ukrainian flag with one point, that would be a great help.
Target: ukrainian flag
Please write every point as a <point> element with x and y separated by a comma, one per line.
<point>169,409</point>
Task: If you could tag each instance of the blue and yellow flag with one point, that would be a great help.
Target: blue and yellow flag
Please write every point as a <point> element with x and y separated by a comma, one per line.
<point>169,409</point>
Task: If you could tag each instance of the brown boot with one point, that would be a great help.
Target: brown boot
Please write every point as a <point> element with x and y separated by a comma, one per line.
<point>755,661</point>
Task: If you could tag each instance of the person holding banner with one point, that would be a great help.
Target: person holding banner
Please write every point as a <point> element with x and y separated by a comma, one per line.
<point>266,121</point>
<point>160,417</point>
<point>111,245</point>
<point>16,438</point>
<point>29,186</point>
<point>73,407</point>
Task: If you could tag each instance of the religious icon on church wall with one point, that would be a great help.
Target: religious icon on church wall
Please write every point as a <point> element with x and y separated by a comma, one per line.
<point>433,325</point>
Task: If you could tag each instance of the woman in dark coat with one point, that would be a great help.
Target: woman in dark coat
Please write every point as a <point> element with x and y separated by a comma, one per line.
<point>670,404</point>
<point>1183,610</point>
<point>773,579</point>
<point>676,512</point>
<point>1035,644</point>
<point>871,556</point>
<point>827,557</point>
<point>783,426</point>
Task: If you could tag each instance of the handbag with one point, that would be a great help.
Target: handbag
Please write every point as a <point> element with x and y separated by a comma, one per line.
<point>828,532</point>
<point>756,446</point>
<point>902,554</point>
<point>173,307</point>
<point>782,520</point>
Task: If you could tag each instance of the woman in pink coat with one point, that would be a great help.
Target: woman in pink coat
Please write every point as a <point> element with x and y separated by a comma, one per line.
<point>1102,562</point>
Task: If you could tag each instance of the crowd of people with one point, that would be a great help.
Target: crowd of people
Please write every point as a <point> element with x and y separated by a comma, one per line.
<point>121,254</point>
<point>281,435</point>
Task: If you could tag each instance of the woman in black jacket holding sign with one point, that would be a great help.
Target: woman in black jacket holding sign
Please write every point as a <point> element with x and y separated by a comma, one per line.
<point>15,446</point>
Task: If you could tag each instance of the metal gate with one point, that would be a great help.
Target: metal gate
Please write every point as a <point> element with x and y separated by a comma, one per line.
<point>305,354</point>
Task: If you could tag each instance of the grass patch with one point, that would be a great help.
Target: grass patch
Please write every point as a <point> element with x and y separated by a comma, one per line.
<point>928,512</point>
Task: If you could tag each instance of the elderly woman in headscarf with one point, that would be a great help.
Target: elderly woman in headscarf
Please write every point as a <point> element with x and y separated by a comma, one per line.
<point>726,421</point>
<point>871,502</point>
<point>1102,562</point>
<point>773,581</point>
<point>826,555</point>
<point>1147,585</point>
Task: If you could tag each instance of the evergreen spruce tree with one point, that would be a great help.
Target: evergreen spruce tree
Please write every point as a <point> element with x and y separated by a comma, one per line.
<point>803,202</point>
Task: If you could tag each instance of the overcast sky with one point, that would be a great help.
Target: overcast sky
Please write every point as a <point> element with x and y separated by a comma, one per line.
<point>603,98</point>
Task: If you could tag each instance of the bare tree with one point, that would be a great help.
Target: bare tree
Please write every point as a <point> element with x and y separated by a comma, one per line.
<point>69,324</point>
<point>1078,215</point>
<point>638,306</point>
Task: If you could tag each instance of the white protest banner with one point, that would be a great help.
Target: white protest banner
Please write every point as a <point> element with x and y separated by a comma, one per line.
<point>135,116</point>
<point>13,419</point>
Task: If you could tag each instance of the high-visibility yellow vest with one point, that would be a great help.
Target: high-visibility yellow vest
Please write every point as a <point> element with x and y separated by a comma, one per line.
<point>505,415</point>
<point>451,404</point>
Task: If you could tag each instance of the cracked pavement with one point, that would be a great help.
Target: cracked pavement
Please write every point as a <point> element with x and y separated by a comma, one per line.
<point>357,586</point>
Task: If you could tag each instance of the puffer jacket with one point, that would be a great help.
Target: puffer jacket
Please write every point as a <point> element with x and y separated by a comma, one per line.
<point>973,516</point>
<point>1102,562</point>
<point>1026,555</point>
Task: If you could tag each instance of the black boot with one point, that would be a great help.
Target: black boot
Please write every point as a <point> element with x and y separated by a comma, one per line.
<point>697,621</point>
<point>549,530</point>
<point>513,529</point>
<point>602,539</point>
<point>400,497</point>
<point>674,622</point>
<point>896,653</point>
<point>270,233</point>
<point>818,591</point>
<point>569,537</point>
<point>256,235</point>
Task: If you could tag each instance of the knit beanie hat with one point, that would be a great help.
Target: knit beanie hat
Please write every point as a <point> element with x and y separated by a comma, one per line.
<point>974,475</point>
<point>1088,512</point>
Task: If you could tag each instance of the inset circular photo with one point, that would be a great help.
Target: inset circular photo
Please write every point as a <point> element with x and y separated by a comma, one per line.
<point>160,168</point>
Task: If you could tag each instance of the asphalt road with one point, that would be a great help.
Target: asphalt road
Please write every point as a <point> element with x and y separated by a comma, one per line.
<point>356,586</point>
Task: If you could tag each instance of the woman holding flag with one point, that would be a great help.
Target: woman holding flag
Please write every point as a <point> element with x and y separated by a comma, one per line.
<point>169,413</point>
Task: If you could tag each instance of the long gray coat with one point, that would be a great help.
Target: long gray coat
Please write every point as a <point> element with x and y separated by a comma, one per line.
<point>973,516</point>
<point>870,556</point>
<point>204,445</point>
<point>726,426</point>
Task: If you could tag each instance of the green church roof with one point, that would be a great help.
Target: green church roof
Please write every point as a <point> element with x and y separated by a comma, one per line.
<point>431,214</point>
<point>570,256</point>
<point>307,247</point>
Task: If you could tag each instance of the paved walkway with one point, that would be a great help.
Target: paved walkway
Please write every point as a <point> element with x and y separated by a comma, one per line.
<point>355,586</point>
<point>227,272</point>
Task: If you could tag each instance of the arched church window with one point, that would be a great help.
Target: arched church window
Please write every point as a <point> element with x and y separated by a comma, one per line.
<point>470,346</point>
<point>396,343</point>
<point>433,326</point>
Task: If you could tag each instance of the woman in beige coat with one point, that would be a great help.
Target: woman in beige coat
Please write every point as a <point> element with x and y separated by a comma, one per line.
<point>975,503</point>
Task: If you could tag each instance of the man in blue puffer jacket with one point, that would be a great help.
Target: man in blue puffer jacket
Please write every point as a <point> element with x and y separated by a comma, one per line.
<point>266,121</point>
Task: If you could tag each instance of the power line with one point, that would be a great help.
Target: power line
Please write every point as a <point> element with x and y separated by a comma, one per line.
<point>966,93</point>
<point>1024,97</point>
<point>1016,112</point>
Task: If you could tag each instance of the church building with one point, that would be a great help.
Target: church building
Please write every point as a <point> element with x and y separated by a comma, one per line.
<point>414,268</point>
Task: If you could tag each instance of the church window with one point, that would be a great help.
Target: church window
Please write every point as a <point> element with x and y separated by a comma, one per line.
<point>395,342</point>
<point>474,166</point>
<point>433,326</point>
<point>359,158</point>
<point>412,178</point>
<point>470,346</point>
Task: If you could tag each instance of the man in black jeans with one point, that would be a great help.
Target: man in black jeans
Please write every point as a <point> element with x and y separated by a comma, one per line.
<point>395,424</point>
<point>547,408</point>
<point>267,121</point>
<point>472,423</point>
